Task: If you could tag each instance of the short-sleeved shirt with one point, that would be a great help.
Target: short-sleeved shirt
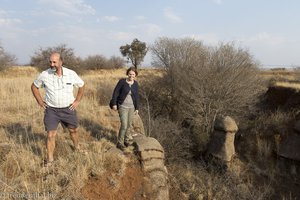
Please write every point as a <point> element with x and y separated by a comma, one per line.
<point>59,90</point>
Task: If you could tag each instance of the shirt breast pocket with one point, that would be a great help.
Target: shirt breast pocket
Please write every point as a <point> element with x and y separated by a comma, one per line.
<point>69,85</point>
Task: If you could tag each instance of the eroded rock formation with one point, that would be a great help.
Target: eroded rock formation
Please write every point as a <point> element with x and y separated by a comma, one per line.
<point>221,144</point>
<point>151,156</point>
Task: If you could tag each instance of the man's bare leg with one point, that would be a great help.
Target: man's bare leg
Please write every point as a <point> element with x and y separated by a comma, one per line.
<point>74,137</point>
<point>50,145</point>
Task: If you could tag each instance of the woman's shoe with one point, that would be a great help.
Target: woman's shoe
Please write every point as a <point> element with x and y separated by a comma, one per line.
<point>126,144</point>
<point>121,146</point>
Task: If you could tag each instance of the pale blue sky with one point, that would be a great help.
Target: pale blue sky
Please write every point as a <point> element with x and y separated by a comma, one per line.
<point>269,29</point>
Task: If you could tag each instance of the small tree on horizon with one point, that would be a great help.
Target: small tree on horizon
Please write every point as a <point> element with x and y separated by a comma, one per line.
<point>6,59</point>
<point>135,52</point>
<point>40,59</point>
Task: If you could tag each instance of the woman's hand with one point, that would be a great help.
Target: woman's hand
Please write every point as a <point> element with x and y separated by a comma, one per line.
<point>114,107</point>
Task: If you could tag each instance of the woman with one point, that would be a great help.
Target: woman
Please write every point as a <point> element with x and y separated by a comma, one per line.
<point>125,99</point>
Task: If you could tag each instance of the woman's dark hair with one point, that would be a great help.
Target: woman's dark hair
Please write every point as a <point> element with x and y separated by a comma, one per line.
<point>132,69</point>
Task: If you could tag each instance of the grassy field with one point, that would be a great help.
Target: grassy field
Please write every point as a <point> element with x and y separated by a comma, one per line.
<point>22,146</point>
<point>104,173</point>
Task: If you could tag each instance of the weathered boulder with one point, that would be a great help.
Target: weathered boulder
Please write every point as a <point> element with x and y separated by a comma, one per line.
<point>226,124</point>
<point>151,155</point>
<point>137,125</point>
<point>221,144</point>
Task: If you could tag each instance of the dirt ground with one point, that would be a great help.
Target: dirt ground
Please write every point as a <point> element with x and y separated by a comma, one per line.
<point>127,187</point>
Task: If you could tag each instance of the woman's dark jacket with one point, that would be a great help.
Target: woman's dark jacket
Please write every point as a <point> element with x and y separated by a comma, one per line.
<point>121,90</point>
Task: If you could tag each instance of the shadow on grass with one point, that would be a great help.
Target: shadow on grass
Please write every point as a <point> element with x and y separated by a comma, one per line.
<point>98,131</point>
<point>24,135</point>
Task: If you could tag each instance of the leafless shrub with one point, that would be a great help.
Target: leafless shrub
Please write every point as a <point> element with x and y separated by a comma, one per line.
<point>203,82</point>
<point>153,99</point>
<point>176,143</point>
<point>6,59</point>
<point>115,62</point>
<point>97,62</point>
<point>40,59</point>
<point>94,62</point>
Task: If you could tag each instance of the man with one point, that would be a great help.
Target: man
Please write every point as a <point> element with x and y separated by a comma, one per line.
<point>59,103</point>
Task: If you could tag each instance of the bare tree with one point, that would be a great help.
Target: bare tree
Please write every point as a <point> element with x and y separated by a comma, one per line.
<point>94,62</point>
<point>6,59</point>
<point>41,57</point>
<point>115,62</point>
<point>203,82</point>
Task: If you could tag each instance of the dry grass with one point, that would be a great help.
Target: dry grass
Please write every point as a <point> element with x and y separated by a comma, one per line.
<point>293,85</point>
<point>16,71</point>
<point>288,75</point>
<point>203,181</point>
<point>22,148</point>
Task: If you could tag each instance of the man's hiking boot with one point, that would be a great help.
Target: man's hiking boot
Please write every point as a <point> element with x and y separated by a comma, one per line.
<point>47,163</point>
